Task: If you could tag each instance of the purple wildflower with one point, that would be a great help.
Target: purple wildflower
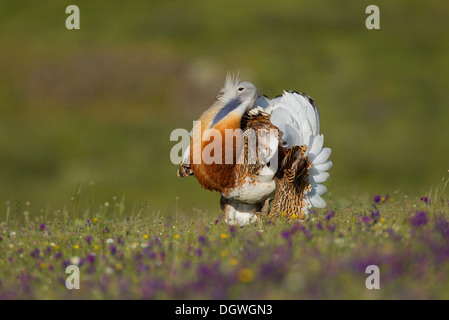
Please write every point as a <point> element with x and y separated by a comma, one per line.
<point>89,239</point>
<point>442,226</point>
<point>66,263</point>
<point>205,270</point>
<point>377,198</point>
<point>285,234</point>
<point>307,234</point>
<point>425,200</point>
<point>113,249</point>
<point>142,267</point>
<point>198,252</point>
<point>42,227</point>
<point>81,262</point>
<point>330,215</point>
<point>296,227</point>
<point>90,258</point>
<point>366,219</point>
<point>319,226</point>
<point>153,255</point>
<point>138,256</point>
<point>419,219</point>
<point>275,272</point>
<point>202,239</point>
<point>35,253</point>
<point>375,215</point>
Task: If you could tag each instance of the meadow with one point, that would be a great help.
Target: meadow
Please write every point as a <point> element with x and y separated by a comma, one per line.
<point>140,255</point>
<point>86,177</point>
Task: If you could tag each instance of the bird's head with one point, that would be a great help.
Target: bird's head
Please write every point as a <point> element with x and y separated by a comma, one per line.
<point>235,98</point>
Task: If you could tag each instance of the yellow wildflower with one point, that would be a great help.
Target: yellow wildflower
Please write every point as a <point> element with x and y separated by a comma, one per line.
<point>245,275</point>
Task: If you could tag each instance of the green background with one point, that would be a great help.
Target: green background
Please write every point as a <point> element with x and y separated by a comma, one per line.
<point>98,104</point>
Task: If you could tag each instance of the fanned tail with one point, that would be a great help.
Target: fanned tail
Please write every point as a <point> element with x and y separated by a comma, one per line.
<point>304,161</point>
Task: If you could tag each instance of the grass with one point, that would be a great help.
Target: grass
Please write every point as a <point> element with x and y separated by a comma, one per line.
<point>141,255</point>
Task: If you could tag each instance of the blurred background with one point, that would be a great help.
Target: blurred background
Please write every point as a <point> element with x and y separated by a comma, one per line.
<point>95,107</point>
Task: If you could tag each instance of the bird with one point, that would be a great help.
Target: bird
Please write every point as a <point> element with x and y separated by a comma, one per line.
<point>277,164</point>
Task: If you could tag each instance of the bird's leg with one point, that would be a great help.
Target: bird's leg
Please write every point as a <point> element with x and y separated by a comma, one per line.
<point>238,213</point>
<point>264,208</point>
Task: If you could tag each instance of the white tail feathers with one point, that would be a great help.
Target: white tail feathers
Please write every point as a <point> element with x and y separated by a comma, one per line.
<point>298,120</point>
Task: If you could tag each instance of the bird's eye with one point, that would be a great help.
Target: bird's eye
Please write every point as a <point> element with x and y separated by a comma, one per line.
<point>241,89</point>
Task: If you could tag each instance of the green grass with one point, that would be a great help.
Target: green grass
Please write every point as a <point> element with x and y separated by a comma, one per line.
<point>125,254</point>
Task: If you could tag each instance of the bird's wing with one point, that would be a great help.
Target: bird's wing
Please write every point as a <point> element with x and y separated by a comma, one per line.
<point>297,118</point>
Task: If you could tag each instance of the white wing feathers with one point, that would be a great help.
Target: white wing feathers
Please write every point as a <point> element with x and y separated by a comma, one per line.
<point>298,120</point>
